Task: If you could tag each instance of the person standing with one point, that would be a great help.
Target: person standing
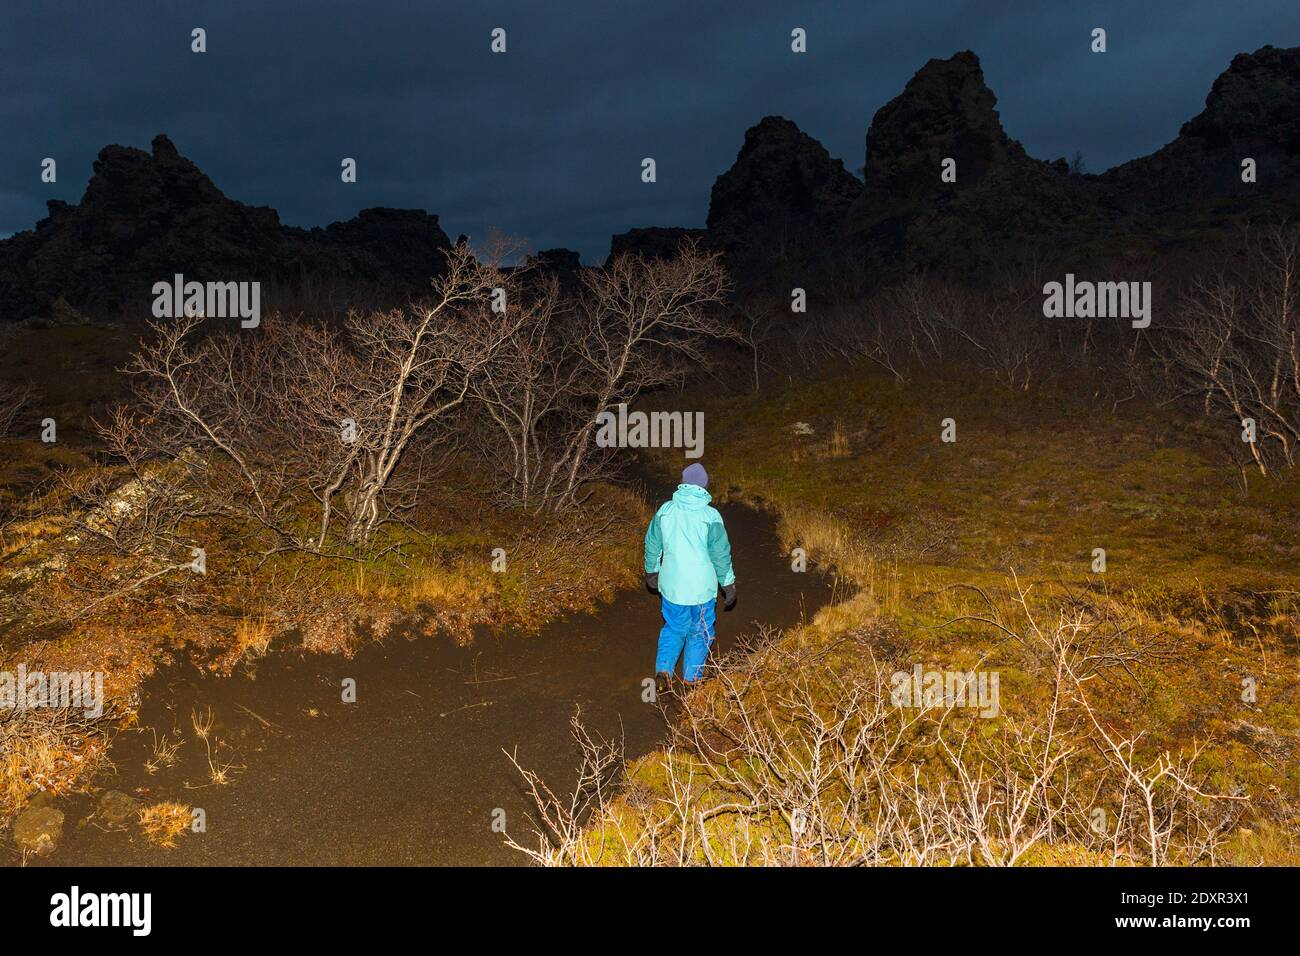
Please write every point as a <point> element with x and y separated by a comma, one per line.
<point>687,558</point>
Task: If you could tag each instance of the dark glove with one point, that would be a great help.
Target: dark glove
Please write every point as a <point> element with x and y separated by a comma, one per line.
<point>652,583</point>
<point>729,597</point>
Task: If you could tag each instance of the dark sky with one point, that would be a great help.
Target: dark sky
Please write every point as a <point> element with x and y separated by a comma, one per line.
<point>545,141</point>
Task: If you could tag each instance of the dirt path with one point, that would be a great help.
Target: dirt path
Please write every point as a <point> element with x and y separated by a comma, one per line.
<point>412,772</point>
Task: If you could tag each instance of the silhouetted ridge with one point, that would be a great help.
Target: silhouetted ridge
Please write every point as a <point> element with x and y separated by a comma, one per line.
<point>146,216</point>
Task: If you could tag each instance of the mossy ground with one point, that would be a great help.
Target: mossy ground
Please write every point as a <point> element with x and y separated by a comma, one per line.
<point>433,572</point>
<point>1206,567</point>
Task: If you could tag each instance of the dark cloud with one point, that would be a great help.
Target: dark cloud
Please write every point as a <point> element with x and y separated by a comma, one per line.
<point>545,142</point>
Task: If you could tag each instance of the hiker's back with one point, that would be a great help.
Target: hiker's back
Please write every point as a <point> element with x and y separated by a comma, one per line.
<point>686,522</point>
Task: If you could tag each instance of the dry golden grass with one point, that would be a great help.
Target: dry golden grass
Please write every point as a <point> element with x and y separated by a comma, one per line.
<point>164,753</point>
<point>219,772</point>
<point>164,822</point>
<point>839,446</point>
<point>461,584</point>
<point>937,539</point>
<point>252,636</point>
<point>21,535</point>
<point>42,750</point>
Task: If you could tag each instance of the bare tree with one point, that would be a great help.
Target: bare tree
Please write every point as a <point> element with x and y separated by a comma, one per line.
<point>756,324</point>
<point>201,407</point>
<point>529,389</point>
<point>259,423</point>
<point>418,365</point>
<point>639,322</point>
<point>15,398</point>
<point>1238,347</point>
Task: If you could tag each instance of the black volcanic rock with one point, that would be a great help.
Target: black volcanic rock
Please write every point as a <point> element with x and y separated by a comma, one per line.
<point>1004,203</point>
<point>653,242</point>
<point>786,209</point>
<point>1253,110</point>
<point>783,196</point>
<point>382,243</point>
<point>556,260</point>
<point>147,216</point>
<point>1007,207</point>
<point>564,264</point>
<point>946,110</point>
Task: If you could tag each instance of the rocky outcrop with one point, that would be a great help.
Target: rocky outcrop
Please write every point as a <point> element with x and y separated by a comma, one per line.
<point>146,216</point>
<point>1003,202</point>
<point>564,264</point>
<point>785,207</point>
<point>384,244</point>
<point>946,110</point>
<point>777,211</point>
<point>784,198</point>
<point>1006,206</point>
<point>653,242</point>
<point>556,260</point>
<point>1253,111</point>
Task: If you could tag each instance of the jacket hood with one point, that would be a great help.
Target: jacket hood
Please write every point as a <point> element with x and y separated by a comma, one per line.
<point>692,496</point>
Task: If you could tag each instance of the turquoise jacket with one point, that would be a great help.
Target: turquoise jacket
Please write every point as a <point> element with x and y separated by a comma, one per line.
<point>686,544</point>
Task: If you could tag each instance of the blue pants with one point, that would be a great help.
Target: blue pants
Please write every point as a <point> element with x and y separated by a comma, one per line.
<point>689,626</point>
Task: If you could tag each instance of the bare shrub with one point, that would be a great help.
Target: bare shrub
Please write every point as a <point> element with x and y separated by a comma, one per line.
<point>256,425</point>
<point>530,391</point>
<point>101,536</point>
<point>45,749</point>
<point>801,757</point>
<point>638,324</point>
<point>923,322</point>
<point>15,399</point>
<point>1238,346</point>
<point>559,828</point>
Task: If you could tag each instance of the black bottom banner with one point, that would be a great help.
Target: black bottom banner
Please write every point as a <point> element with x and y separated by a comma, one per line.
<point>205,905</point>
